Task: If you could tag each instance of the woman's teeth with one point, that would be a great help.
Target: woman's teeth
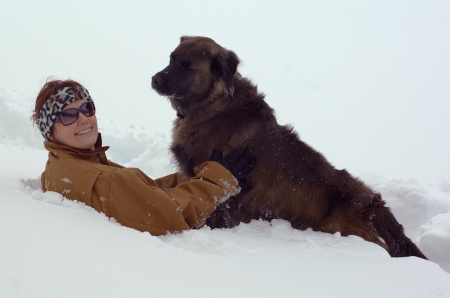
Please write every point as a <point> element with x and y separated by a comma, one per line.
<point>84,131</point>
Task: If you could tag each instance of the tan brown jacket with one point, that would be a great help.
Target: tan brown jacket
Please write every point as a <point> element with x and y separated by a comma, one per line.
<point>131,197</point>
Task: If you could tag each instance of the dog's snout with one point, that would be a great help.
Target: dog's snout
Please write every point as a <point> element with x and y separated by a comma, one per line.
<point>157,80</point>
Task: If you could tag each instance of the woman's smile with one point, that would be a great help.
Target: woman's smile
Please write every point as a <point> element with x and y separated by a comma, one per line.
<point>84,131</point>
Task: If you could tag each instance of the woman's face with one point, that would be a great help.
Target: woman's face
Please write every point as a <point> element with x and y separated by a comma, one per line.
<point>81,134</point>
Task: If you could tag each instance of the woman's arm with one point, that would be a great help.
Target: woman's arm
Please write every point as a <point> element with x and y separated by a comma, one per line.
<point>138,202</point>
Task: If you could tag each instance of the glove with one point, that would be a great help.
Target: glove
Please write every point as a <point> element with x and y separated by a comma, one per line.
<point>238,162</point>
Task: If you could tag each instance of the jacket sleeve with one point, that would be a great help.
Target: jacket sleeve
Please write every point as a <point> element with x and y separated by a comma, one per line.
<point>138,202</point>
<point>170,181</point>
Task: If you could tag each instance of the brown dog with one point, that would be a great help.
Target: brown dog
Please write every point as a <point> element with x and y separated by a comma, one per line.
<point>217,108</point>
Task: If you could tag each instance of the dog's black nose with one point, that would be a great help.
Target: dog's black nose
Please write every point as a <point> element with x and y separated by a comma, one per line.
<point>157,80</point>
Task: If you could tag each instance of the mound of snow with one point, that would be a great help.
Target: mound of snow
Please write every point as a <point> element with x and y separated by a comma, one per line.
<point>52,246</point>
<point>434,240</point>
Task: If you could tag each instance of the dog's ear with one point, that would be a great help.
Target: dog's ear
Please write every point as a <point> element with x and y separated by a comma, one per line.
<point>224,66</point>
<point>184,37</point>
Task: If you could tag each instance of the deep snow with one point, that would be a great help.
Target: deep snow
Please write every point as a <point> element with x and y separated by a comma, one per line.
<point>364,83</point>
<point>55,247</point>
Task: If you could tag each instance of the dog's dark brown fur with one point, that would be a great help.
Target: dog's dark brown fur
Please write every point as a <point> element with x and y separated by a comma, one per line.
<point>217,108</point>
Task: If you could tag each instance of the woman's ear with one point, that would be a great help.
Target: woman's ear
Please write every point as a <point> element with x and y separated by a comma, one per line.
<point>52,138</point>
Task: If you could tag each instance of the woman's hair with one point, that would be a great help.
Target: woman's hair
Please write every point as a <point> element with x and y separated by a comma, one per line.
<point>50,88</point>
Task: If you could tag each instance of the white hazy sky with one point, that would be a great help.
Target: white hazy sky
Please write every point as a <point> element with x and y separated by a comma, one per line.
<point>367,84</point>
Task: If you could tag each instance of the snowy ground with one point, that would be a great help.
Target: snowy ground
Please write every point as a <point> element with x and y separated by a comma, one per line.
<point>55,247</point>
<point>365,83</point>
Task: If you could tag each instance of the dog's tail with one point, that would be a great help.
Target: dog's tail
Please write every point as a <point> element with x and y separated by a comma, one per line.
<point>392,231</point>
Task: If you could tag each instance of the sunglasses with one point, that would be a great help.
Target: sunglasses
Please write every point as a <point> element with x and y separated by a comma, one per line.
<point>69,116</point>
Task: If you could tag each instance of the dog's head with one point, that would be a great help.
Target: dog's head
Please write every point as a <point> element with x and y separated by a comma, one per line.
<point>200,70</point>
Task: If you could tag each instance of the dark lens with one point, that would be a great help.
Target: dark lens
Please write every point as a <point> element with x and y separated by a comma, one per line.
<point>88,109</point>
<point>69,116</point>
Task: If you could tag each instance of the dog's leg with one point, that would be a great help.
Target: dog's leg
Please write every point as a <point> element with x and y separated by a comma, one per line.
<point>365,215</point>
<point>392,233</point>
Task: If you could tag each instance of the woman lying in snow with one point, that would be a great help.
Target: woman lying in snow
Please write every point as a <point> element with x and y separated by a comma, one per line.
<point>78,169</point>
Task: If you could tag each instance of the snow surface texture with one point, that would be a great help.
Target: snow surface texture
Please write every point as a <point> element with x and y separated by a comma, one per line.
<point>364,83</point>
<point>51,245</point>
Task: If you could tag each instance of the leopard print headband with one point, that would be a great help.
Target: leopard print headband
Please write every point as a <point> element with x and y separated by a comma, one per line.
<point>54,105</point>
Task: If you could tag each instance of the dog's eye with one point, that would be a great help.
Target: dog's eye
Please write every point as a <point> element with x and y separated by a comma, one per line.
<point>172,58</point>
<point>185,65</point>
